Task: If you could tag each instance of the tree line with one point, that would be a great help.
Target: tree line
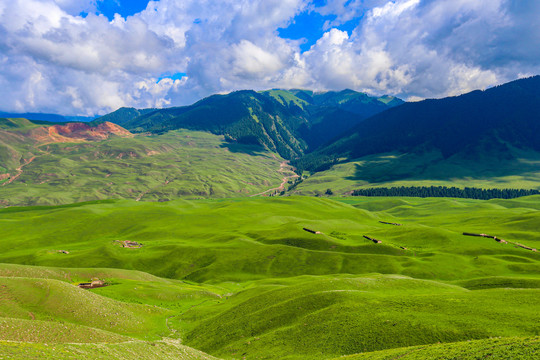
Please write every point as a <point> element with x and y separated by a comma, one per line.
<point>443,191</point>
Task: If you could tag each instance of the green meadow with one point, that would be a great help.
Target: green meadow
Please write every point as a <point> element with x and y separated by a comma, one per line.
<point>241,278</point>
<point>178,164</point>
<point>488,171</point>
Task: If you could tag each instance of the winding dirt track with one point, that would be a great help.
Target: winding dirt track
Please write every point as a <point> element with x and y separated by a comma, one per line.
<point>284,167</point>
<point>19,171</point>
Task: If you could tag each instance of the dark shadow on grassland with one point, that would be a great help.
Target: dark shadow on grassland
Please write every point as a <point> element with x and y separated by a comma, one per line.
<point>388,167</point>
<point>250,149</point>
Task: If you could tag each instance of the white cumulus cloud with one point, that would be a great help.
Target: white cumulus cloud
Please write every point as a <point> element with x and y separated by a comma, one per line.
<point>53,59</point>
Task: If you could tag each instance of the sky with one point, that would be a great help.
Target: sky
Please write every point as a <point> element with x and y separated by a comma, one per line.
<point>90,57</point>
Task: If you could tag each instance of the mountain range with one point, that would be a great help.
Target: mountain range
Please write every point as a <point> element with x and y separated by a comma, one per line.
<point>46,117</point>
<point>338,141</point>
<point>288,122</point>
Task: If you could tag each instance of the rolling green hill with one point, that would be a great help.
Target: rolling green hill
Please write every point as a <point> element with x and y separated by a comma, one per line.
<point>266,237</point>
<point>242,278</point>
<point>499,348</point>
<point>331,316</point>
<point>43,315</point>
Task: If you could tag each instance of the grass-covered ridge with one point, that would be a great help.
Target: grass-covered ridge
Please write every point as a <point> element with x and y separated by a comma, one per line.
<point>318,317</point>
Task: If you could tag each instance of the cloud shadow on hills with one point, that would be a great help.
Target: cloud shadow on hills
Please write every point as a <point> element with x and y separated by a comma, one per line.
<point>389,168</point>
<point>253,150</point>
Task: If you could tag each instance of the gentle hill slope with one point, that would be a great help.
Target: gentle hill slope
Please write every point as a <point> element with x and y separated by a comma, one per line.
<point>329,316</point>
<point>130,350</point>
<point>44,315</point>
<point>266,236</point>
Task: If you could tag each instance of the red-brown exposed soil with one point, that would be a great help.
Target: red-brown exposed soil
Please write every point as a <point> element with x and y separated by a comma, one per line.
<point>77,132</point>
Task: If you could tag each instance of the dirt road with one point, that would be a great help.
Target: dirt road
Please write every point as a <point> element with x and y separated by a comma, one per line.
<point>284,168</point>
<point>19,171</point>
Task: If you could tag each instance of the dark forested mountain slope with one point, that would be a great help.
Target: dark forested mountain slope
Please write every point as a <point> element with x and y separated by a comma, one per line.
<point>331,113</point>
<point>473,124</point>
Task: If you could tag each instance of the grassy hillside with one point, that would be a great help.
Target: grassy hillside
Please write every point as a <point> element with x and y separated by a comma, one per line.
<point>309,318</point>
<point>179,164</point>
<point>239,278</point>
<point>500,349</point>
<point>516,169</point>
<point>44,315</point>
<point>157,350</point>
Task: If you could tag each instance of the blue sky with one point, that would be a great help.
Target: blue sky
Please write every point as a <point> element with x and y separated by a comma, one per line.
<point>309,26</point>
<point>86,57</point>
<point>122,7</point>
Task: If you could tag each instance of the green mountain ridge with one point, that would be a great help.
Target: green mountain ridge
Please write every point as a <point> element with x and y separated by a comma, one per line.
<point>289,122</point>
<point>123,115</point>
<point>484,139</point>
